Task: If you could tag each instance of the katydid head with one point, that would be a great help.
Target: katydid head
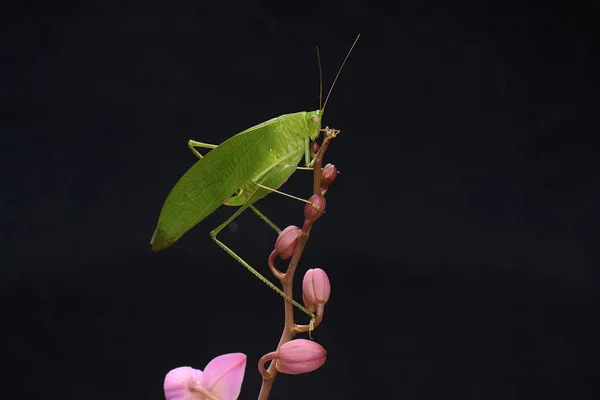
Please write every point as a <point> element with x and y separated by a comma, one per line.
<point>313,122</point>
<point>313,118</point>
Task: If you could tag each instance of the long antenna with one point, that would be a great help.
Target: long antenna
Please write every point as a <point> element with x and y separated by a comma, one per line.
<point>338,74</point>
<point>320,79</point>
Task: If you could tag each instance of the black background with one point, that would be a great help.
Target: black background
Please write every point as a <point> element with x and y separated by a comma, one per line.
<point>460,238</point>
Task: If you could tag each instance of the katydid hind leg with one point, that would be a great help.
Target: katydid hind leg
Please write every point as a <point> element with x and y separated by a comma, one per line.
<point>238,200</point>
<point>213,235</point>
<point>215,232</point>
<point>192,144</point>
<point>267,220</point>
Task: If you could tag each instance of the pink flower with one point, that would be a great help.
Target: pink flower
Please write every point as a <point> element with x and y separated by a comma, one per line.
<point>299,356</point>
<point>328,175</point>
<point>314,148</point>
<point>286,242</point>
<point>315,208</point>
<point>316,287</point>
<point>222,379</point>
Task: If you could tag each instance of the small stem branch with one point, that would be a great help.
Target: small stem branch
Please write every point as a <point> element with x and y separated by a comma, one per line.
<point>261,364</point>
<point>289,330</point>
<point>280,275</point>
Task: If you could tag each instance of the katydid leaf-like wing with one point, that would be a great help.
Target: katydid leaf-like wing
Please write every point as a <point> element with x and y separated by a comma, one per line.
<point>211,181</point>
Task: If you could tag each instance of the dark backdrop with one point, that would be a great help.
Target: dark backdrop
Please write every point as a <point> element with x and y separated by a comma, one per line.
<point>460,238</point>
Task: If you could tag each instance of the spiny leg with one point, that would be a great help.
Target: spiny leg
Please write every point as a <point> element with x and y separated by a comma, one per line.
<point>192,144</point>
<point>267,220</point>
<point>213,235</point>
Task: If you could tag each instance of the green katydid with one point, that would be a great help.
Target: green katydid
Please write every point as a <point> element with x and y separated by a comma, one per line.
<point>238,172</point>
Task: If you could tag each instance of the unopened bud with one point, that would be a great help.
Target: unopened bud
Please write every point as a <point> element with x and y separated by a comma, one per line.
<point>312,307</point>
<point>328,175</point>
<point>316,287</point>
<point>314,209</point>
<point>300,356</point>
<point>314,147</point>
<point>287,241</point>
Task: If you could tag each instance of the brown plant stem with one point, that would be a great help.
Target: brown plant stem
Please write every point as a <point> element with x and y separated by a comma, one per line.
<point>289,328</point>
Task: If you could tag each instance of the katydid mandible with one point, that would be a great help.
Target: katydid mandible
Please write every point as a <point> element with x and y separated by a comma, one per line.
<point>239,172</point>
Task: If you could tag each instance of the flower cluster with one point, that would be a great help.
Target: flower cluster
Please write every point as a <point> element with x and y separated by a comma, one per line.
<point>222,378</point>
<point>299,356</point>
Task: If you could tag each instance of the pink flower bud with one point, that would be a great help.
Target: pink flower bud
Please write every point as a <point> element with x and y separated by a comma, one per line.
<point>287,241</point>
<point>314,147</point>
<point>312,307</point>
<point>316,287</point>
<point>328,175</point>
<point>314,209</point>
<point>300,356</point>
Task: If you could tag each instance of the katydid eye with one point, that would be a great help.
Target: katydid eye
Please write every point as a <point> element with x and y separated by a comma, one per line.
<point>314,118</point>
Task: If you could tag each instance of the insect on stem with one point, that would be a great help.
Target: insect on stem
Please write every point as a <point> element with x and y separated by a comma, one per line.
<point>229,173</point>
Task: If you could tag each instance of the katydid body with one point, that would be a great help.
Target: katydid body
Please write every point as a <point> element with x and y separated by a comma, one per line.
<point>237,173</point>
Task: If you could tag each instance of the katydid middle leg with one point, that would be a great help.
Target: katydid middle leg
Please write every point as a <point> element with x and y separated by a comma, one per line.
<point>282,193</point>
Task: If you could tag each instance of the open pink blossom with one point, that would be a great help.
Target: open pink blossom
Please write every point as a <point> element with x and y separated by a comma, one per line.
<point>222,379</point>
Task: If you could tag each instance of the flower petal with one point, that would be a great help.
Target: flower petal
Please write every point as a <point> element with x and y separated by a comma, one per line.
<point>177,383</point>
<point>223,376</point>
